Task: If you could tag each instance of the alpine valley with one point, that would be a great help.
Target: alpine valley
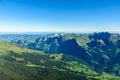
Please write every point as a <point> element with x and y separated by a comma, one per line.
<point>60,56</point>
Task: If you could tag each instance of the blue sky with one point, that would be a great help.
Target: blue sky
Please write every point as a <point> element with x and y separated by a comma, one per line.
<point>59,15</point>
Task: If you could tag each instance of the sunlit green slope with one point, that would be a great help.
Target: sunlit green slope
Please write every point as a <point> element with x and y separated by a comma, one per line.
<point>100,50</point>
<point>18,63</point>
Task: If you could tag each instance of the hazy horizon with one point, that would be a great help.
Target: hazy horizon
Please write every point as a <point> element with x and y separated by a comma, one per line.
<point>2,33</point>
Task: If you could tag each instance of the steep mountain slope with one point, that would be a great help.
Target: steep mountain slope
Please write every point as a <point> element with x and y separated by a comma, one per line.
<point>100,50</point>
<point>17,63</point>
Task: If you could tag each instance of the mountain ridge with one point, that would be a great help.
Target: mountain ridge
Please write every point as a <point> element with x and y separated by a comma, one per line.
<point>20,63</point>
<point>100,50</point>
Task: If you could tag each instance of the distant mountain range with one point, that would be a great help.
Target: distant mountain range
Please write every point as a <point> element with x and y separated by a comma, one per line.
<point>100,51</point>
<point>29,36</point>
<point>61,56</point>
<point>17,63</point>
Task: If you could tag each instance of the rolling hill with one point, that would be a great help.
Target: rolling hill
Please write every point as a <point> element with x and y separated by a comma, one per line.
<point>18,63</point>
<point>100,51</point>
